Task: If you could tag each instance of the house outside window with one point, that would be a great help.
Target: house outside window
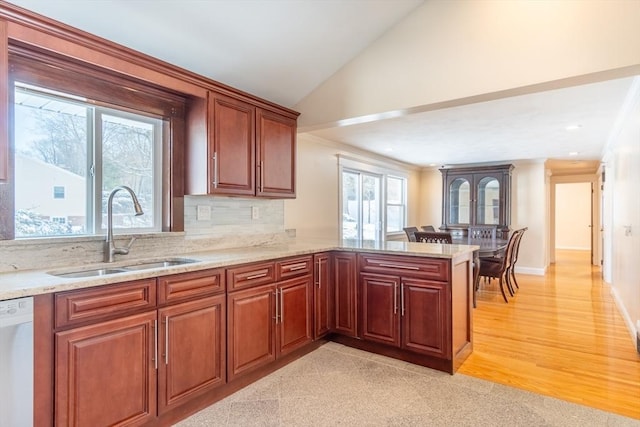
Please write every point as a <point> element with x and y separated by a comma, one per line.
<point>89,150</point>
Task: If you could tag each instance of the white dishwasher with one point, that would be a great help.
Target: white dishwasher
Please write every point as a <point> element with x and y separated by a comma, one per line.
<point>16,362</point>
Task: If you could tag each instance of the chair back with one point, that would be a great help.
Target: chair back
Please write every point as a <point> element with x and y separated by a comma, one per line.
<point>482,232</point>
<point>410,233</point>
<point>427,228</point>
<point>516,248</point>
<point>507,260</point>
<point>433,237</point>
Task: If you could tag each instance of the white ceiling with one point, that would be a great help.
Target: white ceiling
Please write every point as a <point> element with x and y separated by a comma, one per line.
<point>283,49</point>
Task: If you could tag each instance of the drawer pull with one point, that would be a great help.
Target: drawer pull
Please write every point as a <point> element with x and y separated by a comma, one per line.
<point>403,267</point>
<point>256,276</point>
<point>296,267</point>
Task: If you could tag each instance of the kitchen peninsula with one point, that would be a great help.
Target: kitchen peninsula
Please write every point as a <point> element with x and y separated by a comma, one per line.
<point>195,332</point>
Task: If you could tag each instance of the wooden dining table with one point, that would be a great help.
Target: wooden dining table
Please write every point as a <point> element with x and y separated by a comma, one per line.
<point>488,248</point>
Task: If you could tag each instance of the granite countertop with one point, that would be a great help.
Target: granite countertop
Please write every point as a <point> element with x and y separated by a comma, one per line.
<point>35,282</point>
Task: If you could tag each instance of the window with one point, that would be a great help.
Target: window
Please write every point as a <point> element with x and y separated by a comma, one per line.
<point>87,150</point>
<point>369,208</point>
<point>396,204</point>
<point>58,192</point>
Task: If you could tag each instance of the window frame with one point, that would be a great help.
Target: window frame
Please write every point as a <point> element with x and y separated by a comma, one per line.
<point>346,163</point>
<point>109,89</point>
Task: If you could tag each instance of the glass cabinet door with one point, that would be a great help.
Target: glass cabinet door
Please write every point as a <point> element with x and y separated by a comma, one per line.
<point>488,201</point>
<point>459,201</point>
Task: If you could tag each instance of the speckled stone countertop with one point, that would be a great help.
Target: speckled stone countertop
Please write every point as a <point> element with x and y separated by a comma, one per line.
<point>35,282</point>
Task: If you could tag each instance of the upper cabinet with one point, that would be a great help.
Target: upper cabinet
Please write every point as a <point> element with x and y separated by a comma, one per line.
<point>476,196</point>
<point>249,150</point>
<point>4,103</point>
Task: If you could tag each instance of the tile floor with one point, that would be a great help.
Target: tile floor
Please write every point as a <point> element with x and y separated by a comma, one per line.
<point>339,386</point>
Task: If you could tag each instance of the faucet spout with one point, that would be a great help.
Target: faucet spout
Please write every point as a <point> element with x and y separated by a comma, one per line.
<point>110,249</point>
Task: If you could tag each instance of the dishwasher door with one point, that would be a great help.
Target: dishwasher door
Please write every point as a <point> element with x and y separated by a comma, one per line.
<point>16,362</point>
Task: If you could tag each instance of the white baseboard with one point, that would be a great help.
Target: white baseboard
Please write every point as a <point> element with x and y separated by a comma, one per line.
<point>531,270</point>
<point>625,314</point>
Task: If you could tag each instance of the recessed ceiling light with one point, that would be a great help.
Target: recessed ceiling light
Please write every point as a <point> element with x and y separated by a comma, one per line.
<point>573,127</point>
<point>573,153</point>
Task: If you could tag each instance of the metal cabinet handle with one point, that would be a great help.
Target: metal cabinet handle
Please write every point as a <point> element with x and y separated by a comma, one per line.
<point>256,276</point>
<point>296,267</point>
<point>215,169</point>
<point>155,342</point>
<point>403,267</point>
<point>402,299</point>
<point>395,298</point>
<point>166,340</point>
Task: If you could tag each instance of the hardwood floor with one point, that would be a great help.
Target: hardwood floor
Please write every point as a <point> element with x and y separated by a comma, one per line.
<point>561,335</point>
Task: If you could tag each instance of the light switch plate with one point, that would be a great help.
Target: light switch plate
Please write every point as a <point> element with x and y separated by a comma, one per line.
<point>203,213</point>
<point>255,212</point>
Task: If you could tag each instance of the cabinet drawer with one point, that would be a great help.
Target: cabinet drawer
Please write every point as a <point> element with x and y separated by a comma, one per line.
<point>251,275</point>
<point>430,268</point>
<point>178,287</point>
<point>294,267</point>
<point>104,302</point>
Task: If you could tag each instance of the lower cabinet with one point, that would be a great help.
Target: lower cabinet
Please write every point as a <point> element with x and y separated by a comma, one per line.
<point>345,277</point>
<point>267,321</point>
<point>192,350</point>
<point>406,313</point>
<point>322,291</point>
<point>116,368</point>
<point>105,374</point>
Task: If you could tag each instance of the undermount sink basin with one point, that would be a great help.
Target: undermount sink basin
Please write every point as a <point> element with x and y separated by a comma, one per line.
<point>134,267</point>
<point>90,273</point>
<point>160,264</point>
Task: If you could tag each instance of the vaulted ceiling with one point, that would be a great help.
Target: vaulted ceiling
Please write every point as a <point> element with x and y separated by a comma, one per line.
<point>282,50</point>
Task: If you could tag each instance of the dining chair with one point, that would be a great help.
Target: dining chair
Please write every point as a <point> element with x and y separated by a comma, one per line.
<point>427,228</point>
<point>514,259</point>
<point>498,268</point>
<point>410,233</point>
<point>482,232</point>
<point>433,237</point>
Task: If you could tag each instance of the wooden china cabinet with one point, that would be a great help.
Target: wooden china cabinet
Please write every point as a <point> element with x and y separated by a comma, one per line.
<point>478,195</point>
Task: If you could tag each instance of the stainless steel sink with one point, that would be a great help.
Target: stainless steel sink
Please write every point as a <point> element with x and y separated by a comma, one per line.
<point>127,268</point>
<point>90,273</point>
<point>160,264</point>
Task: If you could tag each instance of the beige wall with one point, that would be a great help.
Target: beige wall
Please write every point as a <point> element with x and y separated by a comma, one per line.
<point>451,50</point>
<point>573,216</point>
<point>622,210</point>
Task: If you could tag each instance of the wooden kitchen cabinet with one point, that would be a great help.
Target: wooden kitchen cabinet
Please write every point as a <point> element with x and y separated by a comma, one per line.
<point>322,294</point>
<point>246,149</point>
<point>191,350</point>
<point>345,277</point>
<point>294,316</point>
<point>405,305</point>
<point>265,322</point>
<point>105,374</point>
<point>250,329</point>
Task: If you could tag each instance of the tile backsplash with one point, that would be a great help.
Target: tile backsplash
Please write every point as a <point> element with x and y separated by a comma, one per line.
<point>233,222</point>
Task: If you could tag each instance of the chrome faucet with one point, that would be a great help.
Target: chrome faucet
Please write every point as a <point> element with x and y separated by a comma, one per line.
<point>110,248</point>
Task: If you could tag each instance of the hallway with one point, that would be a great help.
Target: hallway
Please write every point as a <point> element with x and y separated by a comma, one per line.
<point>561,335</point>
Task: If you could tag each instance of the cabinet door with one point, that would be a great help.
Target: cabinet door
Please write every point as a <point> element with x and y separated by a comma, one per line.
<point>231,146</point>
<point>95,384</point>
<point>345,285</point>
<point>276,148</point>
<point>250,329</point>
<point>380,308</point>
<point>192,350</point>
<point>294,314</point>
<point>425,317</point>
<point>322,294</point>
